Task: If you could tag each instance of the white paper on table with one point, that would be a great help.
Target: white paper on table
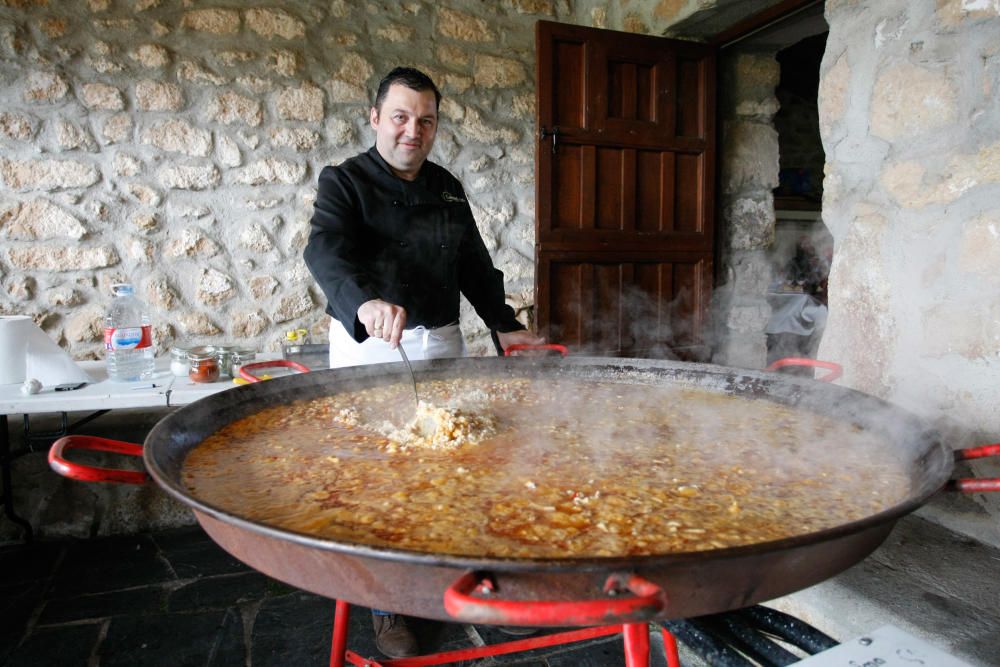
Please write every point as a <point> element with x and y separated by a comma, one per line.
<point>26,352</point>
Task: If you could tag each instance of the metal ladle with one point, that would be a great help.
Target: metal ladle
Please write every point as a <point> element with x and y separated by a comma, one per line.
<point>413,379</point>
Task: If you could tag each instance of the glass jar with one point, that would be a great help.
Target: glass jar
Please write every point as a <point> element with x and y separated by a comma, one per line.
<point>242,356</point>
<point>179,365</point>
<point>224,355</point>
<point>204,365</point>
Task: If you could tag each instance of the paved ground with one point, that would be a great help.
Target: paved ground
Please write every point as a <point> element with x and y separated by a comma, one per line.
<point>173,598</point>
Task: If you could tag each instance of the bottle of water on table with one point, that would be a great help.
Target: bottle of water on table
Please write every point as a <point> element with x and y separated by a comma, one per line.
<point>128,337</point>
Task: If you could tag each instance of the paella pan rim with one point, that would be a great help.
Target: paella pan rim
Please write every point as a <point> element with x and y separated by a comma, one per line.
<point>737,380</point>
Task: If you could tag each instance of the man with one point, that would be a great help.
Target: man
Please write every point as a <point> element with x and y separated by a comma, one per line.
<point>393,244</point>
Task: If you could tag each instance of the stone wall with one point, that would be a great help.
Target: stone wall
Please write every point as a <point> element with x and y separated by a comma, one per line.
<point>176,145</point>
<point>748,161</point>
<point>910,119</point>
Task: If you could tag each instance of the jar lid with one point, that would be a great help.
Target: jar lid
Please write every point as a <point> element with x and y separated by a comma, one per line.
<point>179,350</point>
<point>201,353</point>
<point>222,349</point>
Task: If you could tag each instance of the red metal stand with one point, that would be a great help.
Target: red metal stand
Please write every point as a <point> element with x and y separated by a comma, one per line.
<point>636,637</point>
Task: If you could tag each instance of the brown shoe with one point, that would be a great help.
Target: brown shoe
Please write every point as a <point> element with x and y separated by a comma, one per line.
<point>393,636</point>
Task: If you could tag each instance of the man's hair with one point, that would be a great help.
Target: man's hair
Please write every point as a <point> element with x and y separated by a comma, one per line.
<point>409,77</point>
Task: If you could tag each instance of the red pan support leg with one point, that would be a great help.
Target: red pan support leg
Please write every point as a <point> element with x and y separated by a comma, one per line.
<point>338,648</point>
<point>636,644</point>
<point>670,648</point>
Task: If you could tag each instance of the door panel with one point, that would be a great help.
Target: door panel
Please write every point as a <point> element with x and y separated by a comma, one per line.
<point>624,191</point>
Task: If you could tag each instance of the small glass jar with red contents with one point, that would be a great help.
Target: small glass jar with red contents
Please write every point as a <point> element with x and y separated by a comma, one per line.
<point>204,365</point>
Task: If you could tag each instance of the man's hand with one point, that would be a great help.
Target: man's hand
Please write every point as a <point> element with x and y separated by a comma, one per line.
<point>384,320</point>
<point>522,337</point>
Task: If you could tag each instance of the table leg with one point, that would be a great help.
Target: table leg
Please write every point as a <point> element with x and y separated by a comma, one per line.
<point>6,460</point>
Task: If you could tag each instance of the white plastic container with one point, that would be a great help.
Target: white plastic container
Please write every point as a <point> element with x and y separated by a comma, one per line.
<point>128,337</point>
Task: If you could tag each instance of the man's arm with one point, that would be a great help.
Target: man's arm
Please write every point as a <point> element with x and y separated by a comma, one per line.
<point>335,251</point>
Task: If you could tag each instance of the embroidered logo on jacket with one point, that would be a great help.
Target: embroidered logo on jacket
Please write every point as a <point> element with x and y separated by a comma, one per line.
<point>451,199</point>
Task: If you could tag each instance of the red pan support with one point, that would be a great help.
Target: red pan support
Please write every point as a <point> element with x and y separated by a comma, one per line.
<point>277,363</point>
<point>836,370</point>
<point>87,473</point>
<point>635,635</point>
<point>971,484</point>
<point>646,602</point>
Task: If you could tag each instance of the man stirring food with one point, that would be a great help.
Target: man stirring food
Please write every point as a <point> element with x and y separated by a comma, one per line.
<point>393,244</point>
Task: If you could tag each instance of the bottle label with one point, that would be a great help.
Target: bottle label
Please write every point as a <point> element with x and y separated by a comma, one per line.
<point>128,338</point>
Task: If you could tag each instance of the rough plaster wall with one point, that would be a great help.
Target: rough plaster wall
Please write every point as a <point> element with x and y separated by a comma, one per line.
<point>910,120</point>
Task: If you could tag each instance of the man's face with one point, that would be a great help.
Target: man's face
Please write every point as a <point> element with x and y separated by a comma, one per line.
<point>405,127</point>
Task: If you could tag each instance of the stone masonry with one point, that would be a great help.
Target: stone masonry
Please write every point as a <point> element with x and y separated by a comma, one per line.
<point>176,145</point>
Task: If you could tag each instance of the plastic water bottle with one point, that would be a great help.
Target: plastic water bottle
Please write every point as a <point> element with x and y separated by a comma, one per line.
<point>128,337</point>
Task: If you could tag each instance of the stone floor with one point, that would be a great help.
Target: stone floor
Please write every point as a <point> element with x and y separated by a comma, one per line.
<point>173,598</point>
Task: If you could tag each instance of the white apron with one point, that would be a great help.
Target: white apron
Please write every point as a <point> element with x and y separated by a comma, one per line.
<point>419,343</point>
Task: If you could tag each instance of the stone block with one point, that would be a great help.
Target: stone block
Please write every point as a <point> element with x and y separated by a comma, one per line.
<point>302,103</point>
<point>215,287</point>
<point>39,220</point>
<point>283,62</point>
<point>262,287</point>
<point>749,157</point>
<point>25,175</point>
<point>396,33</point>
<point>117,128</point>
<point>272,23</point>
<point>195,73</point>
<point>909,100</point>
<point>150,56</point>
<point>61,258</point>
<point>248,324</point>
<point>271,170</point>
<point>102,96</point>
<point>178,136</point>
<point>293,305</point>
<point>215,21</point>
<point>190,177</point>
<point>254,237</point>
<point>230,107</point>
<point>191,242</point>
<point>197,324</point>
<point>158,96</point>
<point>496,72</point>
<point>454,24</point>
<point>44,86</point>
<point>979,249</point>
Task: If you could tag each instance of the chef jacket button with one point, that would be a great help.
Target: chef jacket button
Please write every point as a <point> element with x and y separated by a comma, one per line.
<point>444,245</point>
<point>402,244</point>
<point>404,284</point>
<point>396,202</point>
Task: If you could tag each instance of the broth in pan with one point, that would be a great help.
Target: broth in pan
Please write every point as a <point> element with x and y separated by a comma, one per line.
<point>545,468</point>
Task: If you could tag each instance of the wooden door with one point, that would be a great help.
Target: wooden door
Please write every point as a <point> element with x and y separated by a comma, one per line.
<point>624,192</point>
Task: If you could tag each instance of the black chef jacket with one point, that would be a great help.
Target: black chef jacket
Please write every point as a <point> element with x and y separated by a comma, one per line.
<point>412,243</point>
